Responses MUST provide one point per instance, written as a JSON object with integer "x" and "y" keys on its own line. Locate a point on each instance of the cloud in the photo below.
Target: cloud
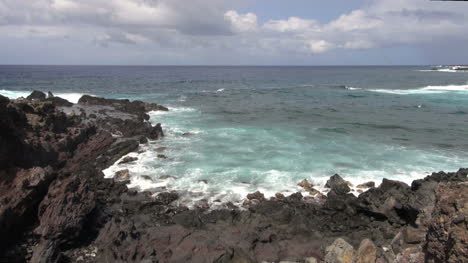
{"x": 216, "y": 29}
{"x": 293, "y": 24}
{"x": 240, "y": 22}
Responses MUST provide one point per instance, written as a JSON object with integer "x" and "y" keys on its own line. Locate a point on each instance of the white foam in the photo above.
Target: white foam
{"x": 425, "y": 90}
{"x": 71, "y": 97}
{"x": 219, "y": 90}
{"x": 352, "y": 88}
{"x": 443, "y": 70}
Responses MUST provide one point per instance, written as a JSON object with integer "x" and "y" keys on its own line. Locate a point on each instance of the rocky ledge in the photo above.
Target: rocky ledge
{"x": 56, "y": 206}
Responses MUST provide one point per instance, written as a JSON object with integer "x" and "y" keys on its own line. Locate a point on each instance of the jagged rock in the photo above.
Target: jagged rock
{"x": 257, "y": 195}
{"x": 308, "y": 187}
{"x": 340, "y": 252}
{"x": 50, "y": 95}
{"x": 367, "y": 252}
{"x": 338, "y": 185}
{"x": 122, "y": 175}
{"x": 128, "y": 159}
{"x": 366, "y": 185}
{"x": 167, "y": 197}
{"x": 279, "y": 196}
{"x": 388, "y": 201}
{"x": 36, "y": 95}
{"x": 447, "y": 235}
{"x": 156, "y": 132}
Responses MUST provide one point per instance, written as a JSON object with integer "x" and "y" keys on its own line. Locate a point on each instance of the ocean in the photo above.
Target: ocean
{"x": 267, "y": 128}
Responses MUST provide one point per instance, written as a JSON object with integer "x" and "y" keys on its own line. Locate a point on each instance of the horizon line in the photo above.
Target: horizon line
{"x": 233, "y": 65}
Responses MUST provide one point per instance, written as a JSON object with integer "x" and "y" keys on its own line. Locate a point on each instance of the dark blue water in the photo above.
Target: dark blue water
{"x": 269, "y": 127}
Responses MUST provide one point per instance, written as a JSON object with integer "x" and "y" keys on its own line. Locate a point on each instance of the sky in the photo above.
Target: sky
{"x": 233, "y": 32}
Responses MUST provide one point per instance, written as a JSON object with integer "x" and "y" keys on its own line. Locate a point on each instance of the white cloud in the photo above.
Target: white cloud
{"x": 293, "y": 24}
{"x": 240, "y": 22}
{"x": 319, "y": 46}
{"x": 208, "y": 26}
{"x": 356, "y": 20}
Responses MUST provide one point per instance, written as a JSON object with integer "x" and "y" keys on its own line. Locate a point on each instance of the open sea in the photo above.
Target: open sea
{"x": 267, "y": 128}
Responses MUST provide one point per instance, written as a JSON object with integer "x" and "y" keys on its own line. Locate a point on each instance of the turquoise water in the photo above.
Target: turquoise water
{"x": 267, "y": 128}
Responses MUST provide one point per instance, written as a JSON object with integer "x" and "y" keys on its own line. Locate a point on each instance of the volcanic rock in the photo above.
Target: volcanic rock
{"x": 366, "y": 185}
{"x": 36, "y": 95}
{"x": 257, "y": 195}
{"x": 128, "y": 159}
{"x": 340, "y": 252}
{"x": 122, "y": 175}
{"x": 338, "y": 185}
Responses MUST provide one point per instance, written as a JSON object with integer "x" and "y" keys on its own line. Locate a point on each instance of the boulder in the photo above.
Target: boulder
{"x": 257, "y": 195}
{"x": 36, "y": 95}
{"x": 122, "y": 175}
{"x": 162, "y": 156}
{"x": 337, "y": 184}
{"x": 367, "y": 252}
{"x": 308, "y": 187}
{"x": 340, "y": 251}
{"x": 156, "y": 132}
{"x": 128, "y": 159}
{"x": 366, "y": 185}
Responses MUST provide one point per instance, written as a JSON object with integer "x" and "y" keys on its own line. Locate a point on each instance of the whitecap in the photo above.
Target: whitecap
{"x": 425, "y": 90}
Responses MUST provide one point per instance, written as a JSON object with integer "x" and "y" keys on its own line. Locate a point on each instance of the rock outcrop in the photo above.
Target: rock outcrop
{"x": 56, "y": 206}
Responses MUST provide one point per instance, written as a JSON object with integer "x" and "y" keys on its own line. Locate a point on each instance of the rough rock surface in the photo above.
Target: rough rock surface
{"x": 56, "y": 206}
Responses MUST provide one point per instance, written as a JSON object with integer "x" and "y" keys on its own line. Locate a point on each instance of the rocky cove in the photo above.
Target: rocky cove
{"x": 56, "y": 205}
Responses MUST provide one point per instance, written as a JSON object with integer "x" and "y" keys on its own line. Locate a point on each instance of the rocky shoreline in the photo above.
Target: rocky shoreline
{"x": 56, "y": 205}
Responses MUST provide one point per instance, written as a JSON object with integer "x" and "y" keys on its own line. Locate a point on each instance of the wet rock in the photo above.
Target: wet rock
{"x": 156, "y": 132}
{"x": 186, "y": 134}
{"x": 340, "y": 251}
{"x": 164, "y": 177}
{"x": 122, "y": 175}
{"x": 308, "y": 187}
{"x": 279, "y": 196}
{"x": 36, "y": 95}
{"x": 162, "y": 156}
{"x": 161, "y": 149}
{"x": 128, "y": 159}
{"x": 167, "y": 197}
{"x": 146, "y": 177}
{"x": 338, "y": 185}
{"x": 257, "y": 195}
{"x": 367, "y": 252}
{"x": 50, "y": 95}
{"x": 366, "y": 185}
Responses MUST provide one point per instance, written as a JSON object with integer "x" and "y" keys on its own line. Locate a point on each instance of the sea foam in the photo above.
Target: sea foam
{"x": 425, "y": 90}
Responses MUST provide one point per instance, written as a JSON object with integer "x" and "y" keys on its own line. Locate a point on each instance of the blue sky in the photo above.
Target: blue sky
{"x": 226, "y": 32}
